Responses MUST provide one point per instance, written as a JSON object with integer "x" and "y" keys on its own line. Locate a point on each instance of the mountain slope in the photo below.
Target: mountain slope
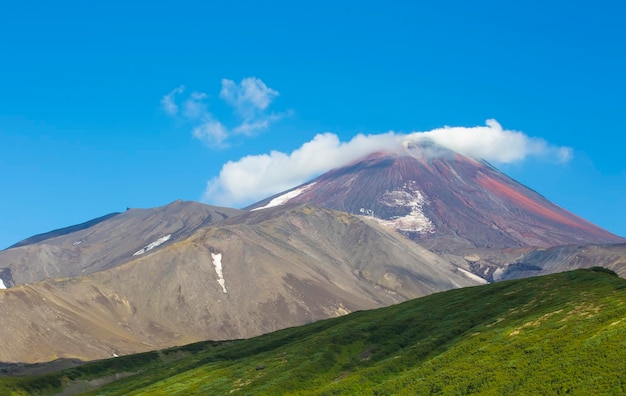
{"x": 446, "y": 201}
{"x": 251, "y": 274}
{"x": 565, "y": 258}
{"x": 105, "y": 242}
{"x": 561, "y": 333}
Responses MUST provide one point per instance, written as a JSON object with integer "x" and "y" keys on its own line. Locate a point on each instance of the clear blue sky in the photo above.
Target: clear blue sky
{"x": 84, "y": 130}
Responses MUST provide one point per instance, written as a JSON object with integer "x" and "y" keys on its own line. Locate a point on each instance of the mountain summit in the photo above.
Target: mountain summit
{"x": 444, "y": 199}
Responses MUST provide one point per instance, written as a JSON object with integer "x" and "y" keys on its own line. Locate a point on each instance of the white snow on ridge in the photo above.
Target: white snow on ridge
{"x": 152, "y": 245}
{"x": 283, "y": 199}
{"x": 2, "y": 286}
{"x": 473, "y": 276}
{"x": 217, "y": 262}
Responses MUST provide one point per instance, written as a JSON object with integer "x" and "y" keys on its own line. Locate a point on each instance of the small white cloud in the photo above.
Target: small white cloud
{"x": 195, "y": 108}
{"x": 195, "y": 111}
{"x": 248, "y": 97}
{"x": 255, "y": 177}
{"x": 212, "y": 133}
{"x": 564, "y": 154}
{"x": 168, "y": 104}
{"x": 251, "y": 126}
{"x": 249, "y": 100}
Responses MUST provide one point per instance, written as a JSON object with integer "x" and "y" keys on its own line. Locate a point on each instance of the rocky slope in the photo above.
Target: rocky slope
{"x": 565, "y": 258}
{"x": 105, "y": 242}
{"x": 248, "y": 275}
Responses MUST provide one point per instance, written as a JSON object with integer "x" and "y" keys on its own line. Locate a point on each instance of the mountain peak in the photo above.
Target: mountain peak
{"x": 443, "y": 198}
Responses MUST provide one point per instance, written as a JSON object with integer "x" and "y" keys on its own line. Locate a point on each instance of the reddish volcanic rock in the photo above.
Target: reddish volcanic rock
{"x": 445, "y": 200}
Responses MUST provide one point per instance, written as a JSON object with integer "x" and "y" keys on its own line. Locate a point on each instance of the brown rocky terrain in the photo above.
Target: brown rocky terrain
{"x": 103, "y": 243}
{"x": 248, "y": 275}
{"x": 564, "y": 258}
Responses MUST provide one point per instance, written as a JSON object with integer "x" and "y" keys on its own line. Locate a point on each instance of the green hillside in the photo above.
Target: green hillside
{"x": 556, "y": 334}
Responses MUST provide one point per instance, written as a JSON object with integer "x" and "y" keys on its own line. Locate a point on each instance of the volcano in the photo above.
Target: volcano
{"x": 444, "y": 200}
{"x": 149, "y": 279}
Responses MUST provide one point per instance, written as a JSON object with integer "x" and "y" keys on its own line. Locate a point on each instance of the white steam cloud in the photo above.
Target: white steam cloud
{"x": 255, "y": 177}
{"x": 249, "y": 99}
{"x": 492, "y": 143}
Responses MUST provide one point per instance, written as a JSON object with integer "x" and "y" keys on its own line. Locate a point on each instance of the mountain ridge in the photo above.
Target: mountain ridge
{"x": 62, "y": 231}
{"x": 106, "y": 243}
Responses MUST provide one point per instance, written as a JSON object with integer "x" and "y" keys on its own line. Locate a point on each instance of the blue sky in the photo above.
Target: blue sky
{"x": 85, "y": 127}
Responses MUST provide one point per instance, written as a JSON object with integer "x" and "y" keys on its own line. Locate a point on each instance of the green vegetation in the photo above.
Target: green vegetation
{"x": 556, "y": 334}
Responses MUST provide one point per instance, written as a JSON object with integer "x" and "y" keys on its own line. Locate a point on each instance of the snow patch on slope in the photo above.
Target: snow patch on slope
{"x": 2, "y": 286}
{"x": 409, "y": 196}
{"x": 473, "y": 276}
{"x": 283, "y": 199}
{"x": 497, "y": 274}
{"x": 217, "y": 263}
{"x": 152, "y": 245}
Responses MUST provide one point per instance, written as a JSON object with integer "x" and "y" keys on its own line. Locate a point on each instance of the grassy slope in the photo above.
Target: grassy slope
{"x": 562, "y": 333}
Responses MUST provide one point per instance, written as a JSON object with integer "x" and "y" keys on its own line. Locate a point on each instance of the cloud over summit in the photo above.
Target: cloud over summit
{"x": 255, "y": 177}
{"x": 492, "y": 143}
